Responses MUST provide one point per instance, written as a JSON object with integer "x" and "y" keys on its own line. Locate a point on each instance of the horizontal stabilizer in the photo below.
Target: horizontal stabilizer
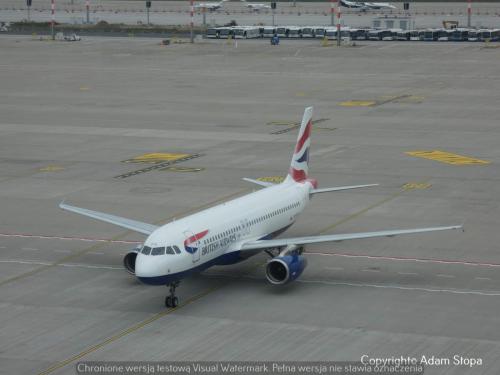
{"x": 136, "y": 226}
{"x": 263, "y": 244}
{"x": 339, "y": 188}
{"x": 257, "y": 182}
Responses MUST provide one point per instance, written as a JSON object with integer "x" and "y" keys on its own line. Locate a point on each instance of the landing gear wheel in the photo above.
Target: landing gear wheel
{"x": 168, "y": 301}
{"x": 171, "y": 300}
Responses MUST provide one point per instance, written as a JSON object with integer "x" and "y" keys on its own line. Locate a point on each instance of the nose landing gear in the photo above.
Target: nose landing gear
{"x": 171, "y": 300}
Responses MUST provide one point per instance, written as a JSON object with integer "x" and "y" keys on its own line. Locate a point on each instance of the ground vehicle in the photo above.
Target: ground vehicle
{"x": 381, "y": 34}
{"x": 391, "y": 34}
{"x": 443, "y": 35}
{"x": 430, "y": 35}
{"x": 308, "y": 32}
{"x": 403, "y": 35}
{"x": 268, "y": 32}
{"x": 491, "y": 35}
{"x": 459, "y": 35}
{"x": 225, "y": 32}
{"x": 246, "y": 32}
{"x": 319, "y": 32}
{"x": 282, "y": 32}
{"x": 212, "y": 33}
{"x": 294, "y": 32}
{"x": 331, "y": 33}
{"x": 359, "y": 34}
{"x": 414, "y": 35}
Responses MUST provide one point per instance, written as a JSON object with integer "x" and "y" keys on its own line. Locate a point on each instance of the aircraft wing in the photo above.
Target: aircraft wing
{"x": 264, "y": 244}
{"x": 136, "y": 226}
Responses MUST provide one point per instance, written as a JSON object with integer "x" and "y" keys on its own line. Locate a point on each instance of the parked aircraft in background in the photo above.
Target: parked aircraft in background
{"x": 362, "y": 5}
{"x": 210, "y": 6}
{"x": 256, "y": 6}
{"x": 236, "y": 230}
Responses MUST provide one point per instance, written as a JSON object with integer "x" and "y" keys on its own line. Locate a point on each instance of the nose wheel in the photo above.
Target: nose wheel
{"x": 171, "y": 300}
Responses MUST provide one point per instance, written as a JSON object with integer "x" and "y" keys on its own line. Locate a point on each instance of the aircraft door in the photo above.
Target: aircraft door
{"x": 192, "y": 245}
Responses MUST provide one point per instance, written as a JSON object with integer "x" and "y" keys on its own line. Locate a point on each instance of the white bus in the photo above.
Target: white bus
{"x": 269, "y": 32}
{"x": 308, "y": 32}
{"x": 294, "y": 32}
{"x": 246, "y": 32}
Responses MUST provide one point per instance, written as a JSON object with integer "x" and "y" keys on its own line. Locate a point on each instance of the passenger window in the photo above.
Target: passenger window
{"x": 158, "y": 251}
{"x": 146, "y": 250}
{"x": 170, "y": 250}
{"x": 177, "y": 250}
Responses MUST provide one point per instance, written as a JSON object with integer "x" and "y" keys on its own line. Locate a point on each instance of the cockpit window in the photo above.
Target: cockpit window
{"x": 146, "y": 250}
{"x": 170, "y": 250}
{"x": 158, "y": 251}
{"x": 177, "y": 250}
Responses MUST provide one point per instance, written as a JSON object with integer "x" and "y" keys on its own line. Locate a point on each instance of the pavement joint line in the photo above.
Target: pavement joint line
{"x": 141, "y": 324}
{"x": 73, "y": 256}
{"x": 370, "y": 207}
{"x": 129, "y": 330}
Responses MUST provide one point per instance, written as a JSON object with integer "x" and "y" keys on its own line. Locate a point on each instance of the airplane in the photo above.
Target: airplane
{"x": 256, "y": 6}
{"x": 233, "y": 231}
{"x": 210, "y": 6}
{"x": 366, "y": 5}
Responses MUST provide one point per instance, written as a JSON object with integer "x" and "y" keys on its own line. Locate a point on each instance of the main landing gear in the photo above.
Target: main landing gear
{"x": 171, "y": 300}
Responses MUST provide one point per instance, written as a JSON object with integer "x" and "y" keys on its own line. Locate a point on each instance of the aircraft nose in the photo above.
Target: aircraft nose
{"x": 144, "y": 266}
{"x": 151, "y": 269}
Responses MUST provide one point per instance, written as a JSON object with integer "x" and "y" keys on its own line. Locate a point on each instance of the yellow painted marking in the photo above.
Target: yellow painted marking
{"x": 447, "y": 157}
{"x": 273, "y": 179}
{"x": 156, "y": 157}
{"x": 361, "y": 212}
{"x": 84, "y": 88}
{"x": 416, "y": 185}
{"x": 282, "y": 123}
{"x": 51, "y": 168}
{"x": 182, "y": 169}
{"x": 300, "y": 94}
{"x": 358, "y": 103}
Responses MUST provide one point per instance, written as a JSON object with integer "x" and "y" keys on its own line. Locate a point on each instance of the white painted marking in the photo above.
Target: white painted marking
{"x": 408, "y": 273}
{"x": 402, "y": 259}
{"x": 493, "y": 293}
{"x": 443, "y": 275}
{"x": 44, "y": 237}
{"x": 334, "y": 268}
{"x": 483, "y": 278}
{"x": 78, "y": 265}
{"x": 95, "y": 253}
{"x": 369, "y": 270}
{"x": 29, "y": 248}
{"x": 297, "y": 53}
{"x": 3, "y": 247}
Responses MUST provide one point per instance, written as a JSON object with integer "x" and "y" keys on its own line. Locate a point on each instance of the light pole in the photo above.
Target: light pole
{"x": 338, "y": 22}
{"x": 469, "y": 12}
{"x": 28, "y": 5}
{"x": 332, "y": 12}
{"x": 87, "y": 7}
{"x": 191, "y": 24}
{"x": 53, "y": 19}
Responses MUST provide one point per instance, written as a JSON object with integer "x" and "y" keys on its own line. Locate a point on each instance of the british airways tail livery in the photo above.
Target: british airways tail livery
{"x": 233, "y": 231}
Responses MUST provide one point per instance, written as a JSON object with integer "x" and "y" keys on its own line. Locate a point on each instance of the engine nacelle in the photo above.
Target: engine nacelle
{"x": 285, "y": 268}
{"x": 129, "y": 261}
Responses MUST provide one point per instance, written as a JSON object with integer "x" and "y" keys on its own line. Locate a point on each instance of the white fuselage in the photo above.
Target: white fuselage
{"x": 215, "y": 235}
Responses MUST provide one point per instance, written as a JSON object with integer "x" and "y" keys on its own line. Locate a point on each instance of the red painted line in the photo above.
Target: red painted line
{"x": 40, "y": 236}
{"x": 423, "y": 260}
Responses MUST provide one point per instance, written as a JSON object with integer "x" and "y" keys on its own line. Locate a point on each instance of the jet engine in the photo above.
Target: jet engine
{"x": 285, "y": 268}
{"x": 129, "y": 260}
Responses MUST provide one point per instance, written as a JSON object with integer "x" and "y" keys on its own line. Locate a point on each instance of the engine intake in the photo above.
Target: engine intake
{"x": 129, "y": 261}
{"x": 284, "y": 269}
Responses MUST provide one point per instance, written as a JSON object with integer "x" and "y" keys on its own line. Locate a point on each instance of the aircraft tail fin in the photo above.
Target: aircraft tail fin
{"x": 299, "y": 167}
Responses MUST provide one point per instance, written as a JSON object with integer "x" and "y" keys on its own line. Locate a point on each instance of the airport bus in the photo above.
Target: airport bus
{"x": 403, "y": 35}
{"x": 459, "y": 35}
{"x": 281, "y": 32}
{"x": 319, "y": 32}
{"x": 430, "y": 35}
{"x": 294, "y": 32}
{"x": 358, "y": 34}
{"x": 491, "y": 35}
{"x": 268, "y": 32}
{"x": 443, "y": 35}
{"x": 414, "y": 35}
{"x": 381, "y": 34}
{"x": 474, "y": 35}
{"x": 212, "y": 33}
{"x": 246, "y": 32}
{"x": 308, "y": 32}
{"x": 225, "y": 32}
